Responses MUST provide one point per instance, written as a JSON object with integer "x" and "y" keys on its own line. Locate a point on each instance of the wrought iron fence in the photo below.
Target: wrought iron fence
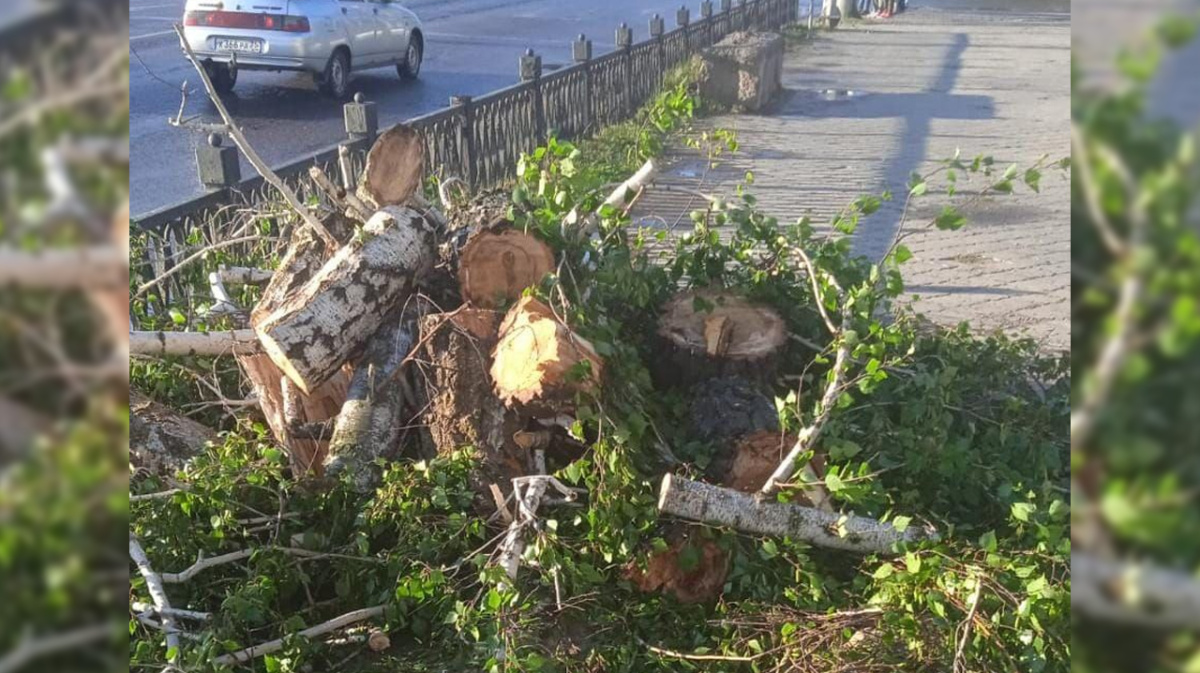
{"x": 480, "y": 139}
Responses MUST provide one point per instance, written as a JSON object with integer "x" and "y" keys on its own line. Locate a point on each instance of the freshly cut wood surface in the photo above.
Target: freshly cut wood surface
{"x": 395, "y": 167}
{"x": 495, "y": 266}
{"x": 535, "y": 357}
{"x": 722, "y": 324}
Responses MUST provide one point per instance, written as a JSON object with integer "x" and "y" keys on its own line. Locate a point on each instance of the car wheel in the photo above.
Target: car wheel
{"x": 336, "y": 80}
{"x": 411, "y": 66}
{"x": 222, "y": 76}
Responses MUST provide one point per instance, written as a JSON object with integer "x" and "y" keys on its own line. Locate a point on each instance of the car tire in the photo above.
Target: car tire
{"x": 335, "y": 81}
{"x": 410, "y": 67}
{"x": 222, "y": 76}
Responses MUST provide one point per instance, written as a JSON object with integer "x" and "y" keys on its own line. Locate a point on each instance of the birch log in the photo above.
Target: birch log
{"x": 706, "y": 503}
{"x": 160, "y": 344}
{"x": 620, "y": 196}
{"x": 369, "y": 424}
{"x": 1135, "y": 594}
{"x": 321, "y": 325}
{"x": 97, "y": 267}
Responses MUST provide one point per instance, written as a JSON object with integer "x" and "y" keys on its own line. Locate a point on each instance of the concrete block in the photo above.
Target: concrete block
{"x": 744, "y": 70}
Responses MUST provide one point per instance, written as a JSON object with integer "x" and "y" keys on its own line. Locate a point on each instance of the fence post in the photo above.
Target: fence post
{"x": 217, "y": 166}
{"x": 531, "y": 71}
{"x": 466, "y": 137}
{"x": 581, "y": 52}
{"x": 362, "y": 119}
{"x": 726, "y": 17}
{"x": 681, "y": 19}
{"x": 625, "y": 45}
{"x": 657, "y": 28}
{"x": 706, "y": 17}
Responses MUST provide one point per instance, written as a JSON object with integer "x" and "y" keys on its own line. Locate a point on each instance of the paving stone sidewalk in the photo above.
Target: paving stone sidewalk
{"x": 867, "y": 105}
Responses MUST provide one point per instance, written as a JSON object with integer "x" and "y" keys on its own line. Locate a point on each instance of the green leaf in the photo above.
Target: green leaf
{"x": 1022, "y": 510}
{"x": 177, "y": 316}
{"x": 918, "y": 189}
{"x": 1033, "y": 179}
{"x": 902, "y": 254}
{"x": 833, "y": 482}
{"x": 988, "y": 541}
{"x": 950, "y": 219}
{"x": 901, "y": 523}
{"x": 912, "y": 563}
{"x": 884, "y": 571}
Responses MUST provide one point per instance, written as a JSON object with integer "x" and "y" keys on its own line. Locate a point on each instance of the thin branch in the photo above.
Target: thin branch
{"x": 1091, "y": 195}
{"x": 251, "y": 155}
{"x": 203, "y": 564}
{"x": 154, "y": 585}
{"x": 30, "y": 650}
{"x": 959, "y": 664}
{"x": 250, "y": 653}
{"x": 818, "y": 299}
{"x": 199, "y": 254}
{"x": 96, "y": 267}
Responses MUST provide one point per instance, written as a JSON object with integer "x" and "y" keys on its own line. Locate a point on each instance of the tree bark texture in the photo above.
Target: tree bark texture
{"x": 697, "y": 501}
{"x": 330, "y": 318}
{"x": 162, "y": 441}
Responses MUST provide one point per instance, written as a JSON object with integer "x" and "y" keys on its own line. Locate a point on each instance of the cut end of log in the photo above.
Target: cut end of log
{"x": 538, "y": 360}
{"x": 496, "y": 266}
{"x": 394, "y": 167}
{"x": 722, "y": 324}
{"x": 664, "y": 491}
{"x": 282, "y": 361}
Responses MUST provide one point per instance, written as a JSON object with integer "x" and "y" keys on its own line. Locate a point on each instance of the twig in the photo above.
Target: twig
{"x": 818, "y": 299}
{"x": 262, "y": 649}
{"x": 155, "y": 496}
{"x": 203, "y": 564}
{"x": 154, "y": 585}
{"x": 663, "y": 652}
{"x": 102, "y": 266}
{"x": 31, "y": 649}
{"x": 251, "y": 155}
{"x": 199, "y": 254}
{"x": 140, "y": 607}
{"x": 959, "y": 664}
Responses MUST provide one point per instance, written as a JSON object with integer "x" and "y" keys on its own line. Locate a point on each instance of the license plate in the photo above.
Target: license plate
{"x": 234, "y": 44}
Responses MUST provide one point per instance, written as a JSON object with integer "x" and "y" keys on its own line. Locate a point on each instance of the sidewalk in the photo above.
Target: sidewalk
{"x": 866, "y": 105}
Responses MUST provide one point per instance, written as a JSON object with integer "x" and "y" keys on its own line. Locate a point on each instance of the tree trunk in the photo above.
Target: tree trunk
{"x": 535, "y": 361}
{"x": 496, "y": 266}
{"x": 282, "y": 414}
{"x": 369, "y": 424}
{"x": 162, "y": 441}
{"x": 697, "y": 501}
{"x": 705, "y": 334}
{"x": 463, "y": 411}
{"x": 320, "y": 325}
{"x": 395, "y": 168}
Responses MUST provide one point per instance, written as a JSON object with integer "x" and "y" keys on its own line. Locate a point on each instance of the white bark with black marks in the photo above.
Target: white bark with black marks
{"x": 322, "y": 324}
{"x": 697, "y": 501}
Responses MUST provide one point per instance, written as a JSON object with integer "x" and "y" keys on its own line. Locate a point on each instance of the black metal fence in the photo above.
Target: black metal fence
{"x": 480, "y": 139}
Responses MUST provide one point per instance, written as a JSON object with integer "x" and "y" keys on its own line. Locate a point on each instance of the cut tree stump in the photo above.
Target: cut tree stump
{"x": 369, "y": 424}
{"x": 320, "y": 325}
{"x": 692, "y": 570}
{"x": 711, "y": 333}
{"x": 697, "y": 501}
{"x": 755, "y": 458}
{"x": 726, "y": 408}
{"x": 496, "y": 265}
{"x": 324, "y": 404}
{"x": 456, "y": 356}
{"x": 161, "y": 440}
{"x": 395, "y": 167}
{"x": 539, "y": 364}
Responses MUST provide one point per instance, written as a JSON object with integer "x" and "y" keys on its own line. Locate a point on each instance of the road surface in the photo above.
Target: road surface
{"x": 472, "y": 47}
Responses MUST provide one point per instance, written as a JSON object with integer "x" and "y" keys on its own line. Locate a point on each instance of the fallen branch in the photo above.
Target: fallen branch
{"x": 102, "y": 266}
{"x": 160, "y": 344}
{"x": 154, "y": 585}
{"x": 635, "y": 183}
{"x": 1136, "y": 594}
{"x": 203, "y": 564}
{"x": 346, "y": 201}
{"x": 243, "y": 275}
{"x": 250, "y": 653}
{"x": 697, "y": 501}
{"x": 251, "y": 155}
{"x": 143, "y": 608}
{"x": 195, "y": 256}
{"x": 32, "y": 649}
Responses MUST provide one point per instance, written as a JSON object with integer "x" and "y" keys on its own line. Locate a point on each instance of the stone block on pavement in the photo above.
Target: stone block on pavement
{"x": 744, "y": 70}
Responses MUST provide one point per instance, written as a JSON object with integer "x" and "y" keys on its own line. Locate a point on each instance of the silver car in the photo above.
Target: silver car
{"x": 328, "y": 38}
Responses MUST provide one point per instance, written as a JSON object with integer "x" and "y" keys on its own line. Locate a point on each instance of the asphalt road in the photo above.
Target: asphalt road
{"x": 472, "y": 47}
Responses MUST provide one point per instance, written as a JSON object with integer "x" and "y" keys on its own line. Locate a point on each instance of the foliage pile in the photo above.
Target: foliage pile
{"x": 936, "y": 426}
{"x": 1136, "y": 352}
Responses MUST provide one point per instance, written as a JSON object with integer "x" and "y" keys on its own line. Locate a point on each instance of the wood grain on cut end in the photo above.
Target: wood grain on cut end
{"x": 496, "y": 266}
{"x": 395, "y": 166}
{"x": 535, "y": 359}
{"x": 722, "y": 324}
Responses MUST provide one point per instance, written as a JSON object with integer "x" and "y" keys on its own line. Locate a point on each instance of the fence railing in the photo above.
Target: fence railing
{"x": 479, "y": 139}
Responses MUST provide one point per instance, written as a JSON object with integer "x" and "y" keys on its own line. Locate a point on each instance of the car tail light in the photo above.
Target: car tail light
{"x": 220, "y": 19}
